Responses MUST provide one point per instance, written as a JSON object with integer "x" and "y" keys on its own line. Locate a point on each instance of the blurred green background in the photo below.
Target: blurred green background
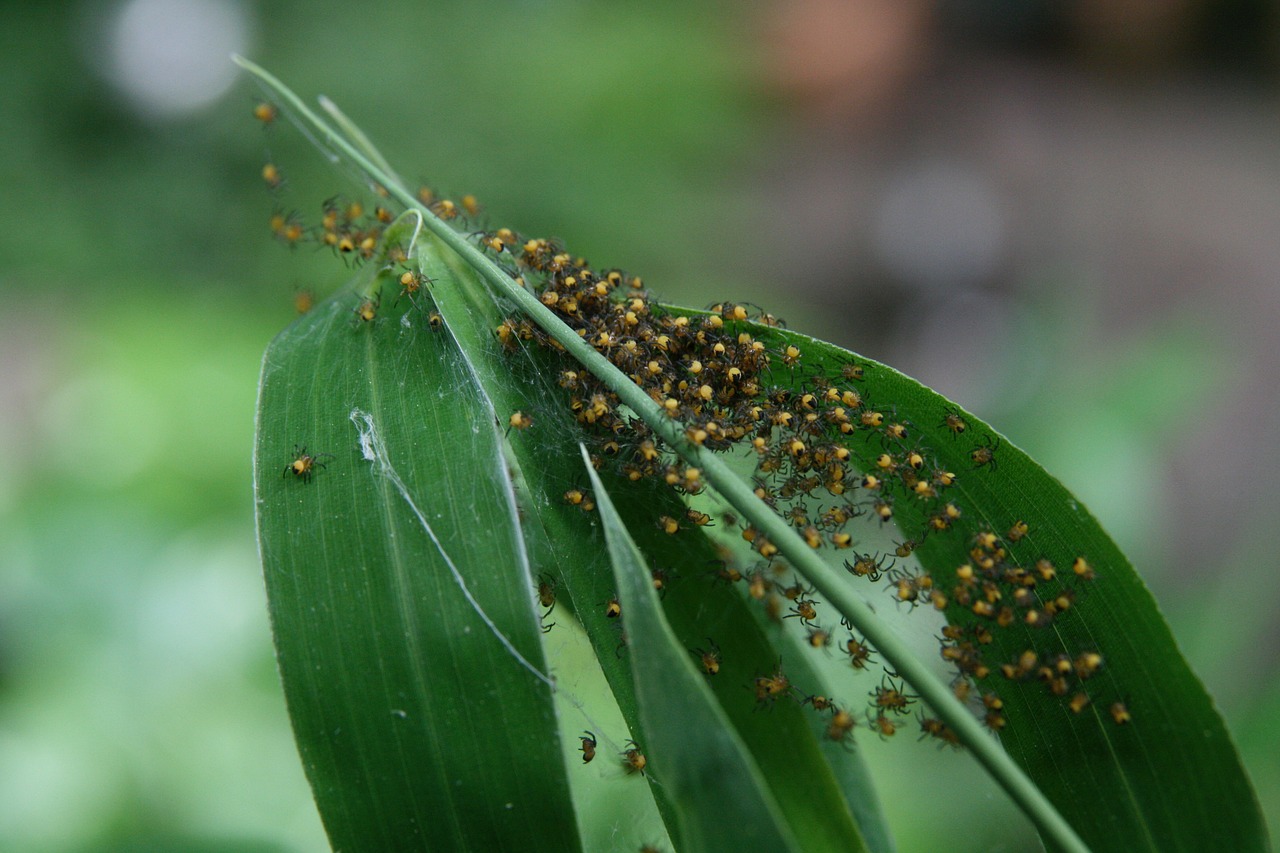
{"x": 1062, "y": 215}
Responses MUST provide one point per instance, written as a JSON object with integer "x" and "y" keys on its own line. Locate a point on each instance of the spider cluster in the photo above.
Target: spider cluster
{"x": 823, "y": 450}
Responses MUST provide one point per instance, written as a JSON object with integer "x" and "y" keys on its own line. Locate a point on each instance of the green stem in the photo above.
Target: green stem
{"x": 738, "y": 494}
{"x": 356, "y": 135}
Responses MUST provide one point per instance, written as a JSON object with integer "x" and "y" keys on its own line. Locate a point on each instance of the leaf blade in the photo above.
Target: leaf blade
{"x": 388, "y": 667}
{"x": 1121, "y": 791}
{"x": 1011, "y": 777}
{"x": 783, "y": 743}
{"x": 720, "y": 799}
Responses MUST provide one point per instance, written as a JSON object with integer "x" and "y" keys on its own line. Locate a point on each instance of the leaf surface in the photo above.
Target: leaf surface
{"x": 420, "y": 718}
{"x": 720, "y": 798}
{"x": 1123, "y": 751}
{"x": 567, "y": 544}
{"x": 1170, "y": 779}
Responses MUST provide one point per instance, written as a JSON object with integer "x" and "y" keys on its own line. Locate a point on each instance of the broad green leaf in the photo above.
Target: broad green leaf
{"x": 761, "y": 516}
{"x": 1081, "y": 769}
{"x": 1168, "y": 780}
{"x": 415, "y": 694}
{"x": 720, "y": 799}
{"x": 731, "y": 488}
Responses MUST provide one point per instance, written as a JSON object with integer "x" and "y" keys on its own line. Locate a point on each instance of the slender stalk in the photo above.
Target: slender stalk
{"x": 356, "y": 135}
{"x": 735, "y": 492}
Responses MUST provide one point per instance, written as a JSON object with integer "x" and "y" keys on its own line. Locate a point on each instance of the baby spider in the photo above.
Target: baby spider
{"x": 985, "y": 454}
{"x": 868, "y": 566}
{"x": 633, "y": 760}
{"x": 304, "y": 464}
{"x": 709, "y": 658}
{"x": 889, "y": 697}
{"x": 841, "y": 725}
{"x": 935, "y": 728}
{"x": 367, "y": 310}
{"x": 818, "y": 638}
{"x": 546, "y": 598}
{"x": 806, "y": 610}
{"x": 411, "y": 282}
{"x": 952, "y": 421}
{"x": 588, "y": 746}
{"x": 769, "y": 687}
{"x": 882, "y": 725}
{"x": 858, "y": 651}
{"x": 265, "y": 113}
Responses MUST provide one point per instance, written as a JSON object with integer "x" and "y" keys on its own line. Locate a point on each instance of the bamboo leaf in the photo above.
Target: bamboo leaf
{"x": 1101, "y": 716}
{"x": 566, "y": 545}
{"x": 415, "y": 694}
{"x": 1167, "y": 779}
{"x": 720, "y": 799}
{"x": 722, "y": 478}
{"x": 819, "y": 785}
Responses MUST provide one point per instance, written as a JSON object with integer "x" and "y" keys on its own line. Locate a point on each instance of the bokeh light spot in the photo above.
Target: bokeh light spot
{"x": 172, "y": 57}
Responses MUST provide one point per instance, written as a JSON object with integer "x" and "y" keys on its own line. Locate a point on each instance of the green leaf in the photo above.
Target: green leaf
{"x": 415, "y": 693}
{"x": 567, "y": 545}
{"x": 1078, "y": 773}
{"x": 720, "y": 798}
{"x": 1168, "y": 780}
{"x": 819, "y": 785}
{"x": 730, "y": 487}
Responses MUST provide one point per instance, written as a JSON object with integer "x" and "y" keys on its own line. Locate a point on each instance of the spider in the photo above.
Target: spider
{"x": 304, "y": 464}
